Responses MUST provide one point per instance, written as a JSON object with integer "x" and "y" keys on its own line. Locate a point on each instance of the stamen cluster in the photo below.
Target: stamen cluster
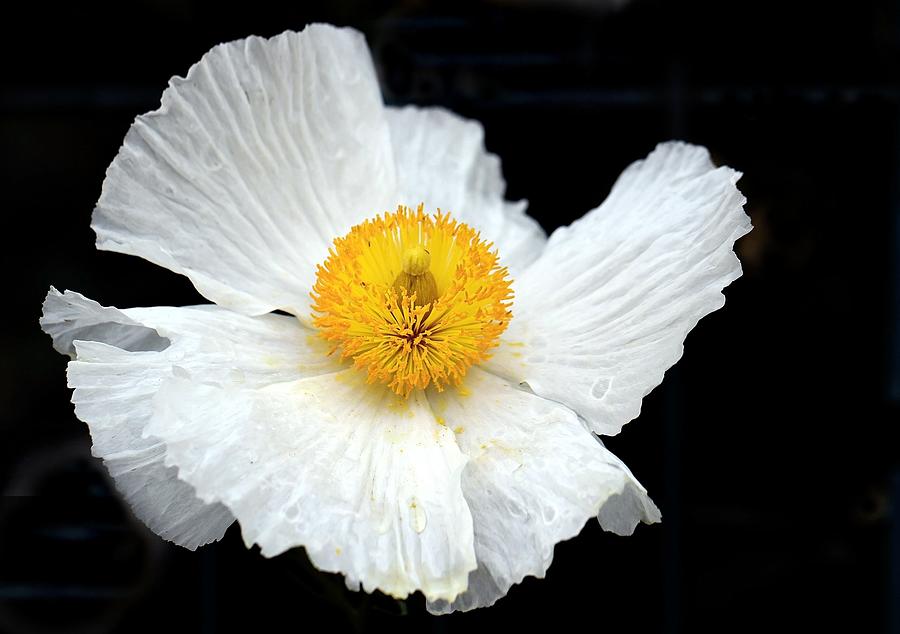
{"x": 367, "y": 299}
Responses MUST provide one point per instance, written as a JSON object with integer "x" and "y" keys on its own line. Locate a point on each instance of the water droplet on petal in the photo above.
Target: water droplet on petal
{"x": 180, "y": 373}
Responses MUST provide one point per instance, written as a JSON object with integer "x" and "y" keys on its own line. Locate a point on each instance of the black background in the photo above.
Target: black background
{"x": 769, "y": 448}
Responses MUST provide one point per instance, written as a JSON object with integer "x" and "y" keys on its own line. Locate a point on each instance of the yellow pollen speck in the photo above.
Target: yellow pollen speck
{"x": 458, "y": 430}
{"x": 413, "y": 299}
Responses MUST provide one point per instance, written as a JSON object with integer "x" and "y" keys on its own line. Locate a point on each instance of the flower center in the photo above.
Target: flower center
{"x": 412, "y": 298}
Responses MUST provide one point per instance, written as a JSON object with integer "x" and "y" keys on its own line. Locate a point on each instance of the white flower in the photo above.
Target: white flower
{"x": 254, "y": 164}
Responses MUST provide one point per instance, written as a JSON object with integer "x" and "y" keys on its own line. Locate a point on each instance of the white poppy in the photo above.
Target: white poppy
{"x": 413, "y": 425}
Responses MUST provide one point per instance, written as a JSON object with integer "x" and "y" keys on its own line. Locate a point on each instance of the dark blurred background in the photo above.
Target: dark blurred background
{"x": 770, "y": 448}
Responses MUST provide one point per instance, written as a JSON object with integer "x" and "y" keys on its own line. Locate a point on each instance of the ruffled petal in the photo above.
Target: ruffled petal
{"x": 605, "y": 310}
{"x": 442, "y": 162}
{"x": 71, "y": 316}
{"x": 122, "y": 357}
{"x": 114, "y": 399}
{"x": 253, "y": 164}
{"x": 535, "y": 475}
{"x": 367, "y": 483}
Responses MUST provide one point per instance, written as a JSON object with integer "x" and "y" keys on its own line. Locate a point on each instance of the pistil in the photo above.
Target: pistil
{"x": 416, "y": 278}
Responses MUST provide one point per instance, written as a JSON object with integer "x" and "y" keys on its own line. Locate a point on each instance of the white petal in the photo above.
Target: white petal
{"x": 369, "y": 485}
{"x": 224, "y": 347}
{"x": 122, "y": 357}
{"x": 604, "y": 312}
{"x": 254, "y": 163}
{"x": 441, "y": 162}
{"x": 70, "y": 316}
{"x": 535, "y": 475}
{"x": 113, "y": 395}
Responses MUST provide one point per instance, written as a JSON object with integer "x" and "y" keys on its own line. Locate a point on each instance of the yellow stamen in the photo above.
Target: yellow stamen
{"x": 413, "y": 299}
